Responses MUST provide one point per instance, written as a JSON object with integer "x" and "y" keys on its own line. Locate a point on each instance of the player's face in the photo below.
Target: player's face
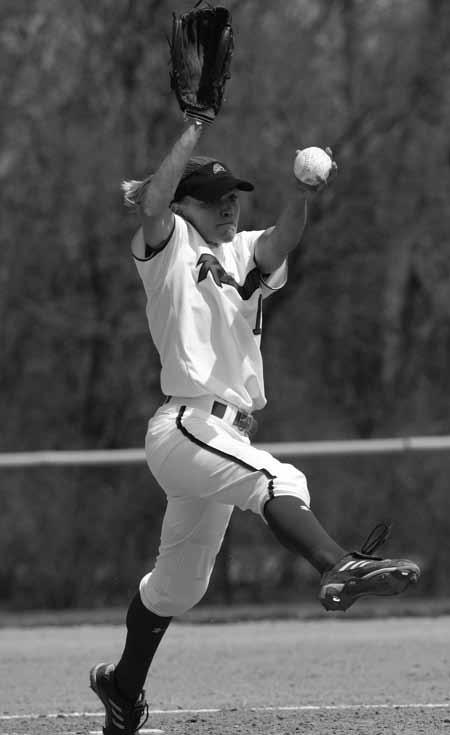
{"x": 216, "y": 221}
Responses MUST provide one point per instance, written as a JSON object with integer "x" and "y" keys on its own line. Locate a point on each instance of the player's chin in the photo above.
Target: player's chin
{"x": 226, "y": 232}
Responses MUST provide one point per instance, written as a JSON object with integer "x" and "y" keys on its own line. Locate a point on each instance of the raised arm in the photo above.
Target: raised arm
{"x": 154, "y": 196}
{"x": 201, "y": 48}
{"x": 275, "y": 243}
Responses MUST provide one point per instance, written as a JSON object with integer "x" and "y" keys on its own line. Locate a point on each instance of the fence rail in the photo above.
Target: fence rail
{"x": 278, "y": 449}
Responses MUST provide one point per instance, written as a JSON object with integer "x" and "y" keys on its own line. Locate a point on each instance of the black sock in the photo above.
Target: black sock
{"x": 145, "y": 630}
{"x": 297, "y": 528}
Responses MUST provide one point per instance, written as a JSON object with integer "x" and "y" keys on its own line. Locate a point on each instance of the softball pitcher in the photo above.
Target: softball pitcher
{"x": 205, "y": 282}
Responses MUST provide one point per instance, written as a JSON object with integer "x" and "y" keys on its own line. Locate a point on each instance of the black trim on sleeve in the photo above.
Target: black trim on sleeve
{"x": 261, "y": 275}
{"x": 150, "y": 251}
{"x": 223, "y": 454}
{"x": 267, "y": 285}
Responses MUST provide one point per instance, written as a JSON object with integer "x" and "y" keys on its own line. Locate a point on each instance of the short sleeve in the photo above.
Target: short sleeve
{"x": 274, "y": 281}
{"x": 154, "y": 268}
{"x": 270, "y": 282}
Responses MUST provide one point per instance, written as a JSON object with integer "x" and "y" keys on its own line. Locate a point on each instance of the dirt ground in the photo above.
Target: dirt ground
{"x": 328, "y": 676}
{"x": 231, "y": 722}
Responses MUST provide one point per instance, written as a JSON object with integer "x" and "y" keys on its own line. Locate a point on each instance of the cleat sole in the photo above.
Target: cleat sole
{"x": 381, "y": 583}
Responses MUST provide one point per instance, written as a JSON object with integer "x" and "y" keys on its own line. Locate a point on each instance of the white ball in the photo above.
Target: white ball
{"x": 312, "y": 166}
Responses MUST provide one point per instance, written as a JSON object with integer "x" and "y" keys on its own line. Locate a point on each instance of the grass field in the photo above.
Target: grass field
{"x": 330, "y": 675}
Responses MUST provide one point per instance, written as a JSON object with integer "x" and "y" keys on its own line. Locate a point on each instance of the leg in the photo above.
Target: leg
{"x": 254, "y": 480}
{"x": 191, "y": 536}
{"x": 296, "y": 527}
{"x": 145, "y": 630}
{"x": 192, "y": 533}
{"x": 231, "y": 470}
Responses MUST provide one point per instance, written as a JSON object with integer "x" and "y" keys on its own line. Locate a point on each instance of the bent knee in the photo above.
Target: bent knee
{"x": 180, "y": 578}
{"x": 291, "y": 481}
{"x": 170, "y": 599}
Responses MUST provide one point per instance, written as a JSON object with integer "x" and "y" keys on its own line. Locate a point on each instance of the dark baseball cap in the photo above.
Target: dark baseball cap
{"x": 208, "y": 179}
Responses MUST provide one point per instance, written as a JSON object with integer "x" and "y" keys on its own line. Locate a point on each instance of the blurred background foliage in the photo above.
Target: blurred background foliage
{"x": 357, "y": 343}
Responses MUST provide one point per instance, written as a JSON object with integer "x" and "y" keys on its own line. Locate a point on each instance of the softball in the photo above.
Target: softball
{"x": 312, "y": 166}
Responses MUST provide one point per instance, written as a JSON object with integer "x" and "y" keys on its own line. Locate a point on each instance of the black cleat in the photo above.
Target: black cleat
{"x": 122, "y": 717}
{"x": 360, "y": 574}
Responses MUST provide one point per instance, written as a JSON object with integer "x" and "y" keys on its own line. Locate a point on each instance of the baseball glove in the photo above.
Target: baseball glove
{"x": 200, "y": 55}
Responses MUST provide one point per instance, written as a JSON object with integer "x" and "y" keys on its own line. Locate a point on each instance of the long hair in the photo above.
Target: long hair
{"x": 133, "y": 191}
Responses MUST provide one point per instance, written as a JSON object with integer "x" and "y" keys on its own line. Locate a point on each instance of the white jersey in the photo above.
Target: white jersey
{"x": 204, "y": 313}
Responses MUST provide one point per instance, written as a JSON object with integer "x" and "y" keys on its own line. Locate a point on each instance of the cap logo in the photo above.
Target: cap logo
{"x": 218, "y": 168}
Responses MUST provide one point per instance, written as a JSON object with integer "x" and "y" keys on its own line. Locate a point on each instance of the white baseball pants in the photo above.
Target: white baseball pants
{"x": 206, "y": 466}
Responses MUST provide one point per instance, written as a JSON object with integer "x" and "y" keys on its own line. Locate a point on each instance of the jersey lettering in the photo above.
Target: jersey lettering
{"x": 209, "y": 264}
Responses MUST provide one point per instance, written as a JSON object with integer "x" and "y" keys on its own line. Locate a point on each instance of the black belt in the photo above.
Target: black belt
{"x": 244, "y": 421}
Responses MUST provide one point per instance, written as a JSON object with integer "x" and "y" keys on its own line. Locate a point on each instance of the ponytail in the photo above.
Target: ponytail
{"x": 133, "y": 191}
